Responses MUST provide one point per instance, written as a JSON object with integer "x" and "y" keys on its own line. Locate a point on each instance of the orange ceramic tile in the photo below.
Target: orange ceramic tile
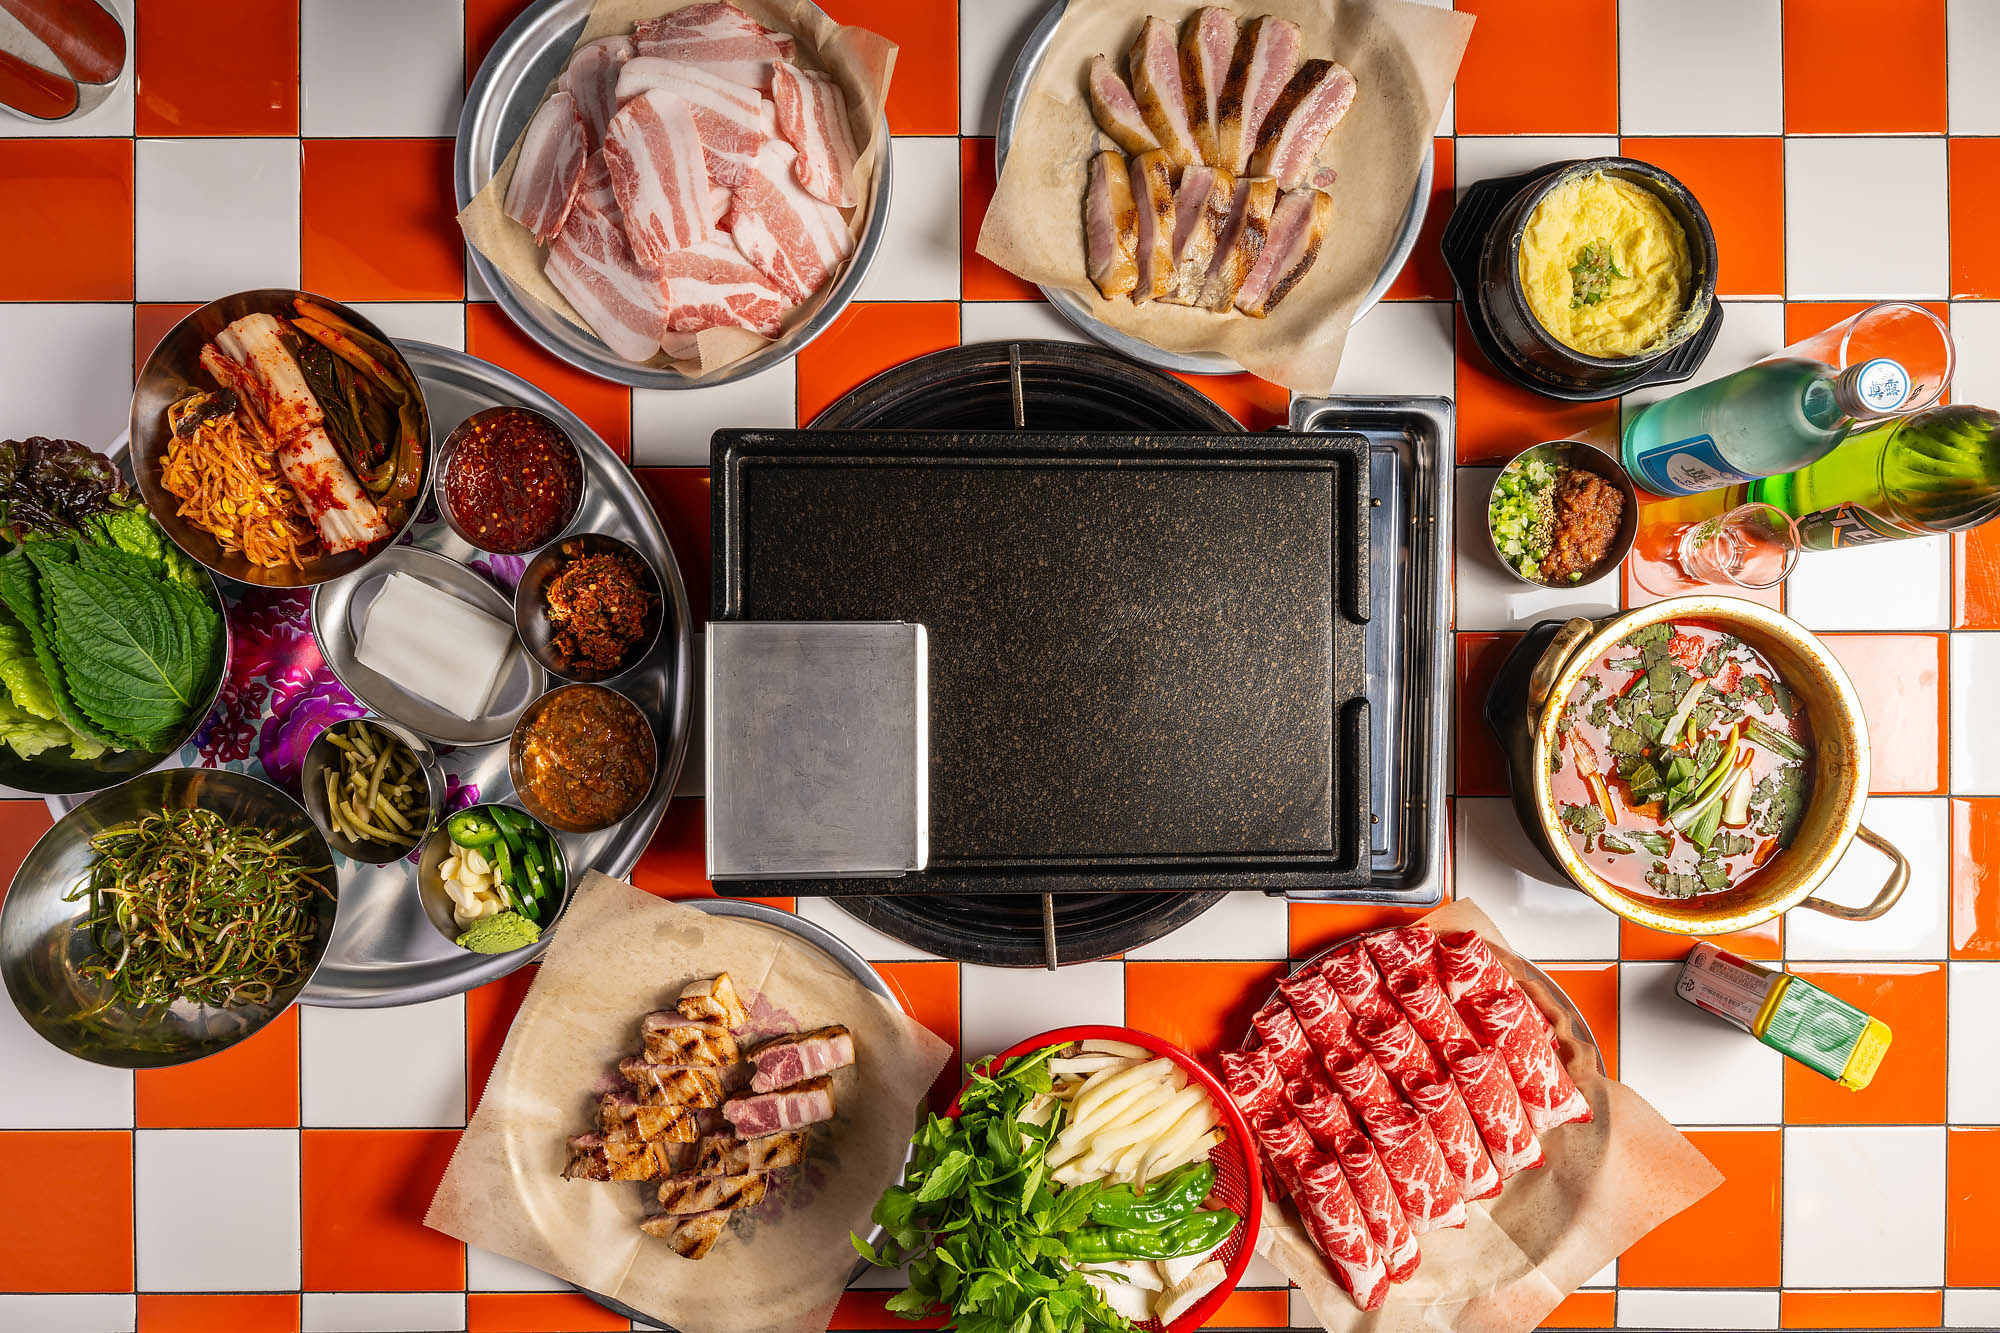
{"x": 868, "y": 1310}
{"x": 485, "y": 20}
{"x": 1201, "y": 1007}
{"x": 1547, "y": 67}
{"x": 680, "y": 496}
{"x": 1593, "y": 989}
{"x": 150, "y": 323}
{"x": 1909, "y": 1087}
{"x": 675, "y": 862}
{"x": 489, "y": 1012}
{"x": 1975, "y": 878}
{"x": 1741, "y": 185}
{"x": 869, "y": 337}
{"x": 377, "y": 220}
{"x": 262, "y": 1312}
{"x": 1424, "y": 277}
{"x": 1805, "y": 318}
{"x": 1638, "y": 943}
{"x": 1584, "y": 1309}
{"x": 1975, "y": 562}
{"x": 1728, "y": 1238}
{"x": 362, "y": 1195}
{"x": 1258, "y": 404}
{"x": 78, "y": 1234}
{"x": 1972, "y": 1208}
{"x": 66, "y": 233}
{"x": 1253, "y": 1309}
{"x": 1482, "y": 769}
{"x": 1861, "y": 1309}
{"x": 1974, "y": 193}
{"x": 605, "y": 407}
{"x": 252, "y": 1085}
{"x": 1826, "y": 40}
{"x": 1654, "y": 558}
{"x": 923, "y": 97}
{"x": 21, "y": 823}
{"x": 928, "y": 992}
{"x": 174, "y": 51}
{"x": 1901, "y": 681}
{"x": 538, "y": 1312}
{"x": 980, "y": 279}
{"x": 1315, "y": 927}
{"x": 1497, "y": 420}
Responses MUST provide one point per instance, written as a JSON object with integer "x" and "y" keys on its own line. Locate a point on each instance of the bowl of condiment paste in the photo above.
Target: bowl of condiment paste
{"x": 509, "y": 480}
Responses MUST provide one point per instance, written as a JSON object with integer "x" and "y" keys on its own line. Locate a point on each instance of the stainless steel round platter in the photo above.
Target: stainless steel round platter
{"x": 504, "y": 94}
{"x": 1077, "y": 311}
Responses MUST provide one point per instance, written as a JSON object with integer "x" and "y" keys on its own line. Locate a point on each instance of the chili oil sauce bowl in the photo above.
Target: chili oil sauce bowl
{"x": 437, "y": 902}
{"x": 531, "y": 606}
{"x": 518, "y": 516}
{"x": 529, "y": 764}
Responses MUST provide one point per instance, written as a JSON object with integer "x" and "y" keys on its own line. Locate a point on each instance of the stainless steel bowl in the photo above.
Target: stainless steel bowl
{"x": 531, "y": 620}
{"x": 447, "y": 453}
{"x": 322, "y": 754}
{"x": 517, "y": 746}
{"x": 437, "y": 903}
{"x": 1583, "y": 457}
{"x": 174, "y": 369}
{"x": 41, "y": 946}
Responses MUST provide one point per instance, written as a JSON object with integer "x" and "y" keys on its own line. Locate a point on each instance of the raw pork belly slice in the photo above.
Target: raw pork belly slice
{"x": 1311, "y": 105}
{"x": 1397, "y": 1048}
{"x": 1340, "y": 1229}
{"x": 1399, "y": 950}
{"x": 591, "y": 77}
{"x": 1423, "y": 1181}
{"x": 732, "y": 121}
{"x": 1242, "y": 240}
{"x": 812, "y": 115}
{"x": 1266, "y": 56}
{"x": 672, "y": 1038}
{"x": 1428, "y": 1008}
{"x": 1359, "y": 1078}
{"x": 795, "y": 1107}
{"x": 594, "y": 1157}
{"x": 1201, "y": 214}
{"x": 1110, "y": 226}
{"x": 1298, "y": 225}
{"x": 548, "y": 172}
{"x": 712, "y": 286}
{"x": 1117, "y": 111}
{"x": 1253, "y": 1080}
{"x": 794, "y": 238}
{"x": 1208, "y": 43}
{"x": 1495, "y": 1106}
{"x": 1278, "y": 1028}
{"x": 593, "y": 266}
{"x": 1153, "y": 204}
{"x": 720, "y": 36}
{"x": 1156, "y": 85}
{"x": 1320, "y": 1109}
{"x": 1359, "y": 985}
{"x": 726, "y": 1155}
{"x": 801, "y": 1056}
{"x": 1451, "y": 1124}
{"x": 1510, "y": 1023}
{"x": 659, "y": 175}
{"x": 1387, "y": 1226}
{"x": 595, "y": 190}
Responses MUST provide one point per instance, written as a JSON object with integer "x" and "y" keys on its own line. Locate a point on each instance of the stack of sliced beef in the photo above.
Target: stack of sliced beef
{"x": 686, "y": 177}
{"x": 709, "y": 1120}
{"x": 1394, "y": 1080}
{"x": 1221, "y": 202}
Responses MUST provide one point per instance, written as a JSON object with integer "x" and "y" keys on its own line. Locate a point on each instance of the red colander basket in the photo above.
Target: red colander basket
{"x": 1239, "y": 1184}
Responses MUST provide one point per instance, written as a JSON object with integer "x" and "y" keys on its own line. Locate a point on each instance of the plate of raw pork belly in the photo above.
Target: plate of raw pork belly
{"x": 684, "y": 200}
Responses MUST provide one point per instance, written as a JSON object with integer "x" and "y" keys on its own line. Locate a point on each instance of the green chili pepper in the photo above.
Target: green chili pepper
{"x": 1197, "y": 1233}
{"x": 469, "y": 828}
{"x": 1171, "y": 1198}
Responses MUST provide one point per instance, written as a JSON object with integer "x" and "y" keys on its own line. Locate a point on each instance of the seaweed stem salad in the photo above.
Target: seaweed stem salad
{"x": 1682, "y": 762}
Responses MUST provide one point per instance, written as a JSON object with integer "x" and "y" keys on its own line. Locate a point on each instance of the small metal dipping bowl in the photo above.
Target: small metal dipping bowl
{"x": 1586, "y": 458}
{"x": 42, "y": 944}
{"x": 531, "y": 620}
{"x": 454, "y": 442}
{"x": 517, "y": 747}
{"x": 323, "y": 755}
{"x": 437, "y": 903}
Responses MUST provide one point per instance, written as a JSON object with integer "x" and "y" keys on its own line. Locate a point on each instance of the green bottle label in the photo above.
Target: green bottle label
{"x": 1843, "y": 526}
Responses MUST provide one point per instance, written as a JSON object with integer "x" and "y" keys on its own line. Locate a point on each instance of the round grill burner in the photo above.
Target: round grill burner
{"x": 1068, "y": 386}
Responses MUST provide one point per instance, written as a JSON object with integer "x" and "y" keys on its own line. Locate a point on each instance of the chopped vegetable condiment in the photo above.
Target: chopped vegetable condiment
{"x": 598, "y": 604}
{"x": 588, "y": 757}
{"x": 501, "y": 864}
{"x": 379, "y": 794}
{"x": 1554, "y": 524}
{"x": 514, "y": 482}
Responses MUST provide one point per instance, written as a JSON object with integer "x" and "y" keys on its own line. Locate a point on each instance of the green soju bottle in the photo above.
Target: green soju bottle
{"x": 1936, "y": 471}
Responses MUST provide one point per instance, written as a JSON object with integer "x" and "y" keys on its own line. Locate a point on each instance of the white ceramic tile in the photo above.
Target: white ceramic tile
{"x": 1916, "y": 927}
{"x": 1972, "y": 1308}
{"x": 919, "y": 259}
{"x": 487, "y": 1271}
{"x": 1751, "y": 331}
{"x": 215, "y": 216}
{"x": 1836, "y": 249}
{"x": 381, "y": 1311}
{"x": 1606, "y": 1276}
{"x": 383, "y": 1068}
{"x": 1697, "y": 1309}
{"x": 1889, "y": 585}
{"x": 216, "y": 1209}
{"x": 110, "y": 118}
{"x": 1400, "y": 348}
{"x": 990, "y": 33}
{"x": 1009, "y": 321}
{"x": 671, "y": 427}
{"x": 1975, "y": 332}
{"x": 1972, "y": 95}
{"x": 999, "y": 1006}
{"x": 1975, "y": 714}
{"x": 1864, "y": 1206}
{"x": 381, "y": 68}
{"x": 1242, "y": 925}
{"x": 55, "y": 361}
{"x": 70, "y": 1313}
{"x": 873, "y": 944}
{"x": 1482, "y": 156}
{"x": 1740, "y": 88}
{"x": 1693, "y": 1068}
{"x": 1972, "y": 1088}
{"x": 1538, "y": 911}
{"x": 46, "y": 1088}
{"x": 872, "y": 1278}
{"x": 440, "y": 322}
{"x": 1488, "y": 597}
{"x": 1262, "y": 1273}
{"x": 1300, "y": 1312}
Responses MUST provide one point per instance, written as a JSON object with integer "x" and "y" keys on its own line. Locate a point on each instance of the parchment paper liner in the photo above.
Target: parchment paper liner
{"x": 1404, "y": 57}
{"x": 619, "y": 953}
{"x": 1605, "y": 1184}
{"x": 859, "y": 59}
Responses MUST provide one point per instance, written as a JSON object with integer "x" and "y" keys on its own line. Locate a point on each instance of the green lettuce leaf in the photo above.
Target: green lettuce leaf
{"x": 20, "y": 593}
{"x": 132, "y": 529}
{"x": 27, "y": 735}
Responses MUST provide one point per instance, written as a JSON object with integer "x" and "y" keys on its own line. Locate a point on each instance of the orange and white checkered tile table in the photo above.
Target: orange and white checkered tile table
{"x": 1844, "y": 150}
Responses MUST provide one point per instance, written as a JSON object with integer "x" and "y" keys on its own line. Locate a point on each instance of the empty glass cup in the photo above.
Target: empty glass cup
{"x": 1751, "y": 546}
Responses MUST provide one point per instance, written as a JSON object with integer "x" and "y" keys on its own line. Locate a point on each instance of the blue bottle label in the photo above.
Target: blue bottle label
{"x": 1686, "y": 467}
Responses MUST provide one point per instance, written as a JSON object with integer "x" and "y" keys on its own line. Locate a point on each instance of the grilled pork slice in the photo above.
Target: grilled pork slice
{"x": 1110, "y": 227}
{"x": 1267, "y": 55}
{"x": 672, "y": 1085}
{"x": 1208, "y": 44}
{"x": 691, "y": 1237}
{"x": 1201, "y": 213}
{"x": 1298, "y": 225}
{"x": 1156, "y": 84}
{"x": 795, "y": 1107}
{"x": 803, "y": 1055}
{"x": 621, "y": 1115}
{"x": 701, "y": 1194}
{"x": 1117, "y": 111}
{"x": 1242, "y": 240}
{"x": 672, "y": 1039}
{"x": 595, "y": 1157}
{"x": 1304, "y": 114}
{"x": 1153, "y": 206}
{"x": 726, "y": 1155}
{"x": 714, "y": 1000}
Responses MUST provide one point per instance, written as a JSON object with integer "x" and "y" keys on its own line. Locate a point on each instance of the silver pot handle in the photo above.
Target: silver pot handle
{"x": 1892, "y": 888}
{"x": 1551, "y": 663}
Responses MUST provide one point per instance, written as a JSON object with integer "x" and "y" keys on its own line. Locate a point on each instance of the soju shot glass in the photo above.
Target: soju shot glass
{"x": 1751, "y": 546}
